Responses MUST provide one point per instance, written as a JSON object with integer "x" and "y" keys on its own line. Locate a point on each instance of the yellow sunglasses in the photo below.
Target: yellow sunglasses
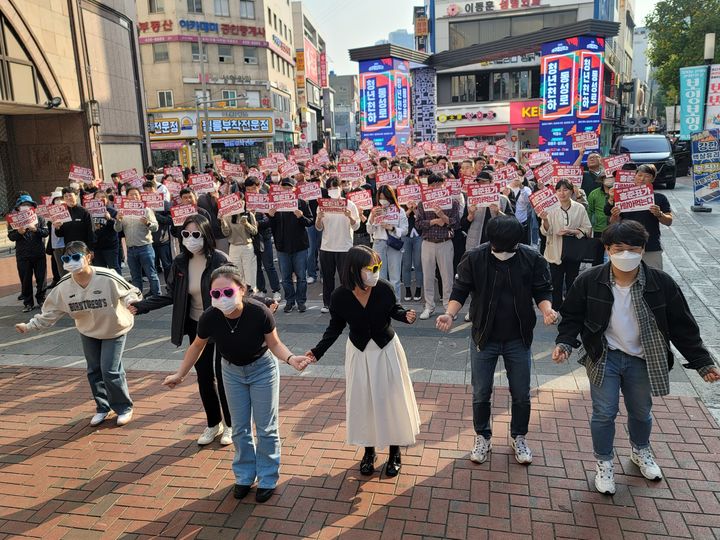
{"x": 374, "y": 267}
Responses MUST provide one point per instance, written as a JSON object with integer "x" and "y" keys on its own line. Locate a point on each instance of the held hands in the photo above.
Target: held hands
{"x": 543, "y": 215}
{"x": 22, "y": 328}
{"x": 300, "y": 362}
{"x": 57, "y": 225}
{"x": 411, "y": 316}
{"x": 550, "y": 317}
{"x": 444, "y": 322}
{"x": 615, "y": 212}
{"x": 559, "y": 355}
{"x": 712, "y": 376}
{"x": 132, "y": 309}
{"x": 171, "y": 381}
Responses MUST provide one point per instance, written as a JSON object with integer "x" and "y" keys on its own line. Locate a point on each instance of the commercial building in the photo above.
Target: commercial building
{"x": 347, "y": 107}
{"x": 70, "y": 93}
{"x": 234, "y": 58}
{"x": 400, "y": 37}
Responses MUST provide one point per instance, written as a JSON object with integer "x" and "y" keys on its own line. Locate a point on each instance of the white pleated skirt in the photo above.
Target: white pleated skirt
{"x": 381, "y": 406}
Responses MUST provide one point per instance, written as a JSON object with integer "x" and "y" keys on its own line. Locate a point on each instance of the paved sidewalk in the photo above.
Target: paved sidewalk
{"x": 62, "y": 479}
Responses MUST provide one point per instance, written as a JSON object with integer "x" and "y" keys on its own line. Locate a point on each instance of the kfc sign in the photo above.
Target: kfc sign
{"x": 525, "y": 112}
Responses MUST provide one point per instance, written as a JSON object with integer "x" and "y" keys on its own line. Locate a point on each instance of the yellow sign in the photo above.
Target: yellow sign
{"x": 300, "y": 61}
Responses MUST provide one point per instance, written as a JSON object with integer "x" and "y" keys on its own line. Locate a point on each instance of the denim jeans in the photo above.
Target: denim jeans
{"x": 163, "y": 258}
{"x": 141, "y": 260}
{"x": 107, "y": 258}
{"x": 315, "y": 239}
{"x": 629, "y": 374}
{"x": 253, "y": 394}
{"x": 534, "y": 229}
{"x": 294, "y": 263}
{"x": 411, "y": 258}
{"x": 517, "y": 358}
{"x": 106, "y": 374}
{"x": 392, "y": 264}
{"x": 267, "y": 261}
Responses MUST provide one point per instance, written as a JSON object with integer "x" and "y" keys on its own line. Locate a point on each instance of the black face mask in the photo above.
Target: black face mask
{"x": 504, "y": 249}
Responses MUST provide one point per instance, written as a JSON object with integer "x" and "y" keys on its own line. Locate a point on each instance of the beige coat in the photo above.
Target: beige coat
{"x": 575, "y": 218}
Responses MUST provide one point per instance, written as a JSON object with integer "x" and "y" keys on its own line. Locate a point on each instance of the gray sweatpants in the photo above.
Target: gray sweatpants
{"x": 440, "y": 254}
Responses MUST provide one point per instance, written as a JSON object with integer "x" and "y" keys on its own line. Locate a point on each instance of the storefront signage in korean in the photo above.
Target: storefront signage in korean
{"x": 164, "y": 128}
{"x": 155, "y": 26}
{"x": 458, "y": 9}
{"x": 239, "y": 126}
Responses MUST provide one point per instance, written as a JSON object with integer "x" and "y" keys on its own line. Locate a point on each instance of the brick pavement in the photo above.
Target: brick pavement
{"x": 62, "y": 479}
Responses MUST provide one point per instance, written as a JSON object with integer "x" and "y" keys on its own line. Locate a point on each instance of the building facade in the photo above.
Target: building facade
{"x": 347, "y": 107}
{"x": 218, "y": 69}
{"x": 70, "y": 93}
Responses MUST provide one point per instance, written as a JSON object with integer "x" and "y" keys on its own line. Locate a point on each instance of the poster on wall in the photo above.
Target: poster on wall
{"x": 572, "y": 94}
{"x": 706, "y": 166}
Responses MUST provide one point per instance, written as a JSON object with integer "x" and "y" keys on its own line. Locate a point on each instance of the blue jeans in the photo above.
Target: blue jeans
{"x": 411, "y": 258}
{"x": 294, "y": 263}
{"x": 267, "y": 261}
{"x": 392, "y": 263}
{"x": 517, "y": 358}
{"x": 534, "y": 229}
{"x": 163, "y": 258}
{"x": 141, "y": 260}
{"x": 629, "y": 374}
{"x": 253, "y": 392}
{"x": 107, "y": 258}
{"x": 315, "y": 238}
{"x": 106, "y": 374}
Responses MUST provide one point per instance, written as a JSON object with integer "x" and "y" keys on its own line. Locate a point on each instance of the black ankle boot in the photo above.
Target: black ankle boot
{"x": 392, "y": 468}
{"x": 367, "y": 465}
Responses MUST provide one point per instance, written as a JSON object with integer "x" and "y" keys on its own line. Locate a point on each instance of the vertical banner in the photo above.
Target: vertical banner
{"x": 572, "y": 94}
{"x": 712, "y": 114}
{"x": 706, "y": 166}
{"x": 401, "y": 75}
{"x": 692, "y": 100}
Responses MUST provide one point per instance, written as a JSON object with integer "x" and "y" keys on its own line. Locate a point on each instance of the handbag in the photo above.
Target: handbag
{"x": 395, "y": 243}
{"x": 576, "y": 249}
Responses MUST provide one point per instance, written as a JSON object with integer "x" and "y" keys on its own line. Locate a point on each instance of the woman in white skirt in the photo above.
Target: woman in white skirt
{"x": 379, "y": 397}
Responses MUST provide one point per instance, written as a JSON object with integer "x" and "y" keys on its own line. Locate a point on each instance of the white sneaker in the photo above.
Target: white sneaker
{"x": 209, "y": 434}
{"x": 523, "y": 455}
{"x": 277, "y": 296}
{"x": 123, "y": 419}
{"x": 467, "y": 317}
{"x": 226, "y": 438}
{"x": 324, "y": 309}
{"x": 605, "y": 477}
{"x": 645, "y": 460}
{"x": 310, "y": 280}
{"x": 98, "y": 419}
{"x": 426, "y": 313}
{"x": 481, "y": 449}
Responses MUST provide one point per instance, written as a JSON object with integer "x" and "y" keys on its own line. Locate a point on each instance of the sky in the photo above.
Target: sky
{"x": 347, "y": 24}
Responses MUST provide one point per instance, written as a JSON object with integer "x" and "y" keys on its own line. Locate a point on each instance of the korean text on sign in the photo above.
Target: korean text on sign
{"x": 332, "y": 206}
{"x": 409, "y": 194}
{"x": 544, "y": 200}
{"x": 22, "y": 220}
{"x": 634, "y": 198}
{"x": 309, "y": 191}
{"x": 483, "y": 195}
{"x": 181, "y": 213}
{"x": 230, "y": 205}
{"x": 362, "y": 199}
{"x": 257, "y": 202}
{"x": 436, "y": 198}
{"x": 389, "y": 215}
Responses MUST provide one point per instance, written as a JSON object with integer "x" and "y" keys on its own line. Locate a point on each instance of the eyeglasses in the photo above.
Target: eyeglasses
{"x": 228, "y": 292}
{"x": 75, "y": 257}
{"x": 194, "y": 234}
{"x": 374, "y": 267}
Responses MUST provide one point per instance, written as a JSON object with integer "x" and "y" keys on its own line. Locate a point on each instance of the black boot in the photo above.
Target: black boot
{"x": 367, "y": 465}
{"x": 392, "y": 468}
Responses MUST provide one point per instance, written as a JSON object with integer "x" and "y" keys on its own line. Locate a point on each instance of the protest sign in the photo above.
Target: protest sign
{"x": 279, "y": 157}
{"x": 625, "y": 177}
{"x": 506, "y": 172}
{"x": 231, "y": 204}
{"x": 58, "y": 213}
{"x": 614, "y": 163}
{"x": 173, "y": 188}
{"x": 458, "y": 153}
{"x": 153, "y": 201}
{"x": 87, "y": 197}
{"x": 127, "y": 175}
{"x": 389, "y": 179}
{"x": 132, "y": 209}
{"x": 346, "y": 154}
{"x": 544, "y": 173}
{"x": 361, "y": 199}
{"x": 309, "y": 191}
{"x": 349, "y": 172}
{"x": 409, "y": 194}
{"x": 201, "y": 183}
{"x": 564, "y": 172}
{"x": 386, "y": 215}
{"x": 586, "y": 140}
{"x": 180, "y": 213}
{"x": 439, "y": 197}
{"x": 538, "y": 158}
{"x": 416, "y": 153}
{"x": 268, "y": 165}
{"x": 635, "y": 198}
{"x": 360, "y": 156}
{"x": 440, "y": 169}
{"x": 22, "y": 220}
{"x": 284, "y": 201}
{"x": 288, "y": 169}
{"x": 175, "y": 172}
{"x": 454, "y": 185}
{"x": 96, "y": 207}
{"x": 258, "y": 202}
{"x": 544, "y": 200}
{"x": 81, "y": 174}
{"x": 483, "y": 195}
{"x": 332, "y": 206}
{"x": 438, "y": 149}
{"x": 231, "y": 169}
{"x": 504, "y": 153}
{"x": 42, "y": 211}
{"x": 471, "y": 145}
{"x": 300, "y": 154}
{"x": 501, "y": 142}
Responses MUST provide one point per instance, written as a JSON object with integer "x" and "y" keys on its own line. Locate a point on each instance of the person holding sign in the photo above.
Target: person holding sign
{"x": 80, "y": 227}
{"x": 240, "y": 229}
{"x": 388, "y": 224}
{"x": 98, "y": 300}
{"x": 29, "y": 231}
{"x": 380, "y": 402}
{"x": 107, "y": 242}
{"x": 627, "y": 314}
{"x": 478, "y": 216}
{"x": 412, "y": 248}
{"x": 569, "y": 219}
{"x": 658, "y": 213}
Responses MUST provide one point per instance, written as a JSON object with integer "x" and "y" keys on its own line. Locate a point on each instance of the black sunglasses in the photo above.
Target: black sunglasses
{"x": 188, "y": 234}
{"x": 74, "y": 257}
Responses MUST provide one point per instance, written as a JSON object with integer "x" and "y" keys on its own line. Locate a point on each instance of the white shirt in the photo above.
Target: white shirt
{"x": 337, "y": 232}
{"x": 623, "y": 331}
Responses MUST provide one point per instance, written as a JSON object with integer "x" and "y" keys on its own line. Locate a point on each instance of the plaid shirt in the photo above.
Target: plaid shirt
{"x": 437, "y": 233}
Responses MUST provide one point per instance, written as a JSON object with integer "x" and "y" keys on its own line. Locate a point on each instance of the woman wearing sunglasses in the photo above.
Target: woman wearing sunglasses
{"x": 97, "y": 299}
{"x": 189, "y": 294}
{"x": 380, "y": 402}
{"x": 245, "y": 335}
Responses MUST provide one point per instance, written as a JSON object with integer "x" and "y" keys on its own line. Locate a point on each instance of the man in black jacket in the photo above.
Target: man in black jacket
{"x": 626, "y": 314}
{"x": 505, "y": 277}
{"x": 161, "y": 237}
{"x": 80, "y": 227}
{"x": 30, "y": 254}
{"x": 291, "y": 242}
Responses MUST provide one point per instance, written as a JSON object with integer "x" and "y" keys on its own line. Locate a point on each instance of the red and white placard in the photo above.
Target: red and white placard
{"x": 181, "y": 213}
{"x": 439, "y": 197}
{"x": 635, "y": 198}
{"x": 153, "y": 201}
{"x": 544, "y": 200}
{"x": 361, "y": 199}
{"x": 614, "y": 163}
{"x": 284, "y": 201}
{"x": 309, "y": 191}
{"x": 231, "y": 204}
{"x": 409, "y": 193}
{"x": 132, "y": 209}
{"x": 332, "y": 206}
{"x": 58, "y": 213}
{"x": 258, "y": 202}
{"x": 81, "y": 174}
{"x": 483, "y": 194}
{"x": 22, "y": 220}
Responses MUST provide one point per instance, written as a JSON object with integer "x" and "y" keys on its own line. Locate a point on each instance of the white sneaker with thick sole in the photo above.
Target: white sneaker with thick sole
{"x": 98, "y": 419}
{"x": 226, "y": 438}
{"x": 645, "y": 460}
{"x": 605, "y": 477}
{"x": 425, "y": 315}
{"x": 124, "y": 418}
{"x": 523, "y": 455}
{"x": 324, "y": 309}
{"x": 209, "y": 434}
{"x": 277, "y": 296}
{"x": 480, "y": 451}
{"x": 310, "y": 280}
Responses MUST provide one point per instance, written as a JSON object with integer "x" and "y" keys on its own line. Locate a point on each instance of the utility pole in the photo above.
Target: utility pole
{"x": 203, "y": 83}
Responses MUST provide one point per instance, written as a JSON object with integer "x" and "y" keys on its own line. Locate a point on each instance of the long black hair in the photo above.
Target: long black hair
{"x": 205, "y": 229}
{"x": 357, "y": 258}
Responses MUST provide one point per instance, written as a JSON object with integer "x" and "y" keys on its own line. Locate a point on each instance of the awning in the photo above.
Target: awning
{"x": 166, "y": 145}
{"x": 475, "y": 131}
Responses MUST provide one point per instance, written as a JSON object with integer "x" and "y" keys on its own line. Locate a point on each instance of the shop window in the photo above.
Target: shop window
{"x": 500, "y": 86}
{"x": 156, "y": 6}
{"x": 250, "y": 55}
{"x": 160, "y": 52}
{"x": 225, "y": 54}
{"x": 195, "y": 49}
{"x": 247, "y": 9}
{"x": 222, "y": 8}
{"x": 202, "y": 97}
{"x": 194, "y": 6}
{"x": 520, "y": 85}
{"x": 463, "y": 89}
{"x": 165, "y": 98}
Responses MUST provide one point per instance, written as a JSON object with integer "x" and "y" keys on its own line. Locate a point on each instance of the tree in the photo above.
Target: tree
{"x": 676, "y": 36}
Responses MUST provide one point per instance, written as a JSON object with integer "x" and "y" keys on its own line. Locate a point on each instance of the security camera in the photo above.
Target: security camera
{"x": 53, "y": 103}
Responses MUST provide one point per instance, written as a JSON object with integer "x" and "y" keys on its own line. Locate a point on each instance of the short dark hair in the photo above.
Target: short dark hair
{"x": 76, "y": 246}
{"x": 149, "y": 184}
{"x": 632, "y": 233}
{"x": 185, "y": 191}
{"x": 357, "y": 258}
{"x": 435, "y": 179}
{"x": 68, "y": 189}
{"x": 205, "y": 229}
{"x": 484, "y": 176}
{"x": 504, "y": 233}
{"x": 332, "y": 182}
{"x": 564, "y": 182}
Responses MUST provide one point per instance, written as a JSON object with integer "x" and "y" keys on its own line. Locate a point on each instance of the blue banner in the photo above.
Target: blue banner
{"x": 693, "y": 81}
{"x": 706, "y": 166}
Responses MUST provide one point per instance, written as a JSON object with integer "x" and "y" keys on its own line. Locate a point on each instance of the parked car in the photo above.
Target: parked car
{"x": 650, "y": 148}
{"x": 683, "y": 157}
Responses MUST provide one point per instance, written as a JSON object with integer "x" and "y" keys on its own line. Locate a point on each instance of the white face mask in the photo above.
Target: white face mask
{"x": 225, "y": 304}
{"x": 73, "y": 266}
{"x": 383, "y": 202}
{"x": 274, "y": 179}
{"x": 194, "y": 245}
{"x": 608, "y": 184}
{"x": 334, "y": 193}
{"x": 503, "y": 255}
{"x": 370, "y": 279}
{"x": 626, "y": 261}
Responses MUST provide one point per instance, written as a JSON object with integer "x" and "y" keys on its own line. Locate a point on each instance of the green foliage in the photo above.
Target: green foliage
{"x": 676, "y": 41}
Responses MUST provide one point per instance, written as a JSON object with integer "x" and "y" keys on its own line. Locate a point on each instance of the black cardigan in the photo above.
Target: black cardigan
{"x": 372, "y": 322}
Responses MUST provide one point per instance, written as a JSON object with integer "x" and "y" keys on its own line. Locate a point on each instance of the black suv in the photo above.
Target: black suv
{"x": 650, "y": 148}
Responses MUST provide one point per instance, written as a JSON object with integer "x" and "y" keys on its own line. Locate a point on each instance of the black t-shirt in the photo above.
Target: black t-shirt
{"x": 246, "y": 343}
{"x": 505, "y": 322}
{"x": 651, "y": 223}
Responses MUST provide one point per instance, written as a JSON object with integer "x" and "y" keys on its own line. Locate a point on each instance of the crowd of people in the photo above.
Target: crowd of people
{"x": 386, "y": 245}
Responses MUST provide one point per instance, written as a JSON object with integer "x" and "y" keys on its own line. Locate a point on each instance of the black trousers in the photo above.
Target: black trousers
{"x": 27, "y": 268}
{"x": 600, "y": 250}
{"x": 563, "y": 275}
{"x": 330, "y": 262}
{"x": 208, "y": 368}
